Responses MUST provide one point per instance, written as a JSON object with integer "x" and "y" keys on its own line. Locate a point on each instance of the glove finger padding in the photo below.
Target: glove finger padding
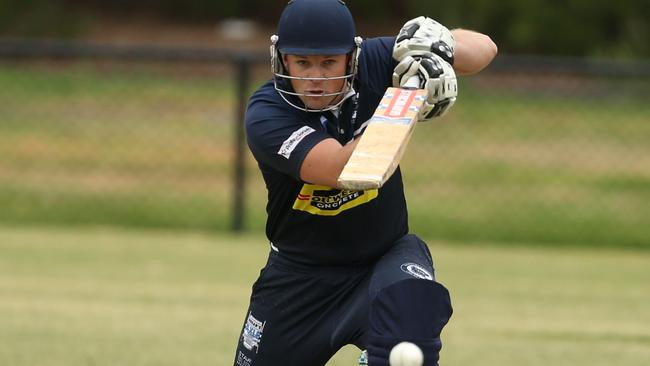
{"x": 409, "y": 28}
{"x": 441, "y": 86}
{"x": 440, "y": 79}
{"x": 422, "y": 35}
{"x": 430, "y": 111}
{"x": 436, "y": 76}
{"x": 406, "y": 69}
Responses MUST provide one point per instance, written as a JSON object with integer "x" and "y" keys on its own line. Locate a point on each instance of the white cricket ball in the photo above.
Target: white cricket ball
{"x": 406, "y": 354}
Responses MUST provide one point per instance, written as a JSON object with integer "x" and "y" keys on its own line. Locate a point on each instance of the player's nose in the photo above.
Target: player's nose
{"x": 316, "y": 74}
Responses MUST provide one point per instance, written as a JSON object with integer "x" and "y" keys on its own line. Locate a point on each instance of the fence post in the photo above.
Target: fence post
{"x": 242, "y": 64}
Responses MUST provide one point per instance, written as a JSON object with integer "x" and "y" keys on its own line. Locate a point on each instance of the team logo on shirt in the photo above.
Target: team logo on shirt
{"x": 252, "y": 334}
{"x": 416, "y": 271}
{"x": 327, "y": 201}
{"x": 292, "y": 142}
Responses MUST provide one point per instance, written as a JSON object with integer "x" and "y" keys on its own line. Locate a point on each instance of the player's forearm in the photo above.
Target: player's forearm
{"x": 324, "y": 163}
{"x": 473, "y": 52}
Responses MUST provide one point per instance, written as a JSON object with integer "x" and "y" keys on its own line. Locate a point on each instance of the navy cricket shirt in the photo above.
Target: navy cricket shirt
{"x": 320, "y": 225}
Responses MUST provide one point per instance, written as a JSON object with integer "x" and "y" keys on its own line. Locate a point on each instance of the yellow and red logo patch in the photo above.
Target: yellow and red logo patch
{"x": 327, "y": 201}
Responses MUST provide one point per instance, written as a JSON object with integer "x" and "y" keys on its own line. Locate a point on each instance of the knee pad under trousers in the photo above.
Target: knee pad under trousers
{"x": 413, "y": 310}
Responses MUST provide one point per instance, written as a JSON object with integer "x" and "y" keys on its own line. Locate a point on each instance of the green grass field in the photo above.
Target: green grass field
{"x": 71, "y": 297}
{"x": 84, "y": 144}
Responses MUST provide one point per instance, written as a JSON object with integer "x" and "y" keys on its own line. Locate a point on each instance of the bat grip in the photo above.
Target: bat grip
{"x": 412, "y": 83}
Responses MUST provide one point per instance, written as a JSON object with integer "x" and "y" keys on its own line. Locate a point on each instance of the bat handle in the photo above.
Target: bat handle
{"x": 412, "y": 83}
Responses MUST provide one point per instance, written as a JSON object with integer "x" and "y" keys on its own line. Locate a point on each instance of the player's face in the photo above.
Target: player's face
{"x": 317, "y": 66}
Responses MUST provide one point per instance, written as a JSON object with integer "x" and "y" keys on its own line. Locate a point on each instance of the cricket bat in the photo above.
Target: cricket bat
{"x": 384, "y": 141}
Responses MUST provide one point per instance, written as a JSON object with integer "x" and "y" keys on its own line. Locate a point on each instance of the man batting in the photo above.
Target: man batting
{"x": 343, "y": 267}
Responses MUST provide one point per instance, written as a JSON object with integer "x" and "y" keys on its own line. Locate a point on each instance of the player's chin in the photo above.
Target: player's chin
{"x": 316, "y": 102}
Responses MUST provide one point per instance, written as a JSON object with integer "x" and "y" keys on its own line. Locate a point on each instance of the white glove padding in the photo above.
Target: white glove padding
{"x": 424, "y": 35}
{"x": 436, "y": 76}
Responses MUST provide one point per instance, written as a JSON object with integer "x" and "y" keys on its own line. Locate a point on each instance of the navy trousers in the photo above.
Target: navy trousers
{"x": 302, "y": 315}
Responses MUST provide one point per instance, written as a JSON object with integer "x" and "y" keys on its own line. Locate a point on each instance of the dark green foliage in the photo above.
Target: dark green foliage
{"x": 570, "y": 27}
{"x": 39, "y": 18}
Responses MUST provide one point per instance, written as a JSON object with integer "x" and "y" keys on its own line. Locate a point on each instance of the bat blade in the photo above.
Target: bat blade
{"x": 384, "y": 141}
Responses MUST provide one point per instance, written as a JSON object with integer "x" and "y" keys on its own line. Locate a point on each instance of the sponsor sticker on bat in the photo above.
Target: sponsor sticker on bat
{"x": 400, "y": 103}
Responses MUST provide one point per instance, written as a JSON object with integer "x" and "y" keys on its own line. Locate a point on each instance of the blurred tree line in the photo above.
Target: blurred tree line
{"x": 570, "y": 27}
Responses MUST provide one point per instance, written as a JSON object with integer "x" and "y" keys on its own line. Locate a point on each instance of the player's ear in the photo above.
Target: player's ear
{"x": 284, "y": 59}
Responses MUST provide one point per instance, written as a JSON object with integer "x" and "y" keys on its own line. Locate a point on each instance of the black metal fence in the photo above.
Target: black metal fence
{"x": 552, "y": 150}
{"x": 240, "y": 62}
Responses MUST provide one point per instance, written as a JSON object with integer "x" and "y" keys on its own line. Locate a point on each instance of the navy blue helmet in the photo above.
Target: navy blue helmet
{"x": 314, "y": 27}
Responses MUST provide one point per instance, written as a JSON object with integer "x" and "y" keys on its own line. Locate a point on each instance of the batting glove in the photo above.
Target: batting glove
{"x": 424, "y": 35}
{"x": 436, "y": 76}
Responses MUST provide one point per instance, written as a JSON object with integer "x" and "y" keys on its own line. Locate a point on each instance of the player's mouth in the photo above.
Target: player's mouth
{"x": 316, "y": 98}
{"x": 315, "y": 92}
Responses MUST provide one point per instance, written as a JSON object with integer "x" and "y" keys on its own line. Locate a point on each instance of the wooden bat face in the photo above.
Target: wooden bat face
{"x": 383, "y": 143}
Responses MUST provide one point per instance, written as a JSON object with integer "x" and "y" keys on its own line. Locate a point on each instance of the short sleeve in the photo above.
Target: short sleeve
{"x": 279, "y": 136}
